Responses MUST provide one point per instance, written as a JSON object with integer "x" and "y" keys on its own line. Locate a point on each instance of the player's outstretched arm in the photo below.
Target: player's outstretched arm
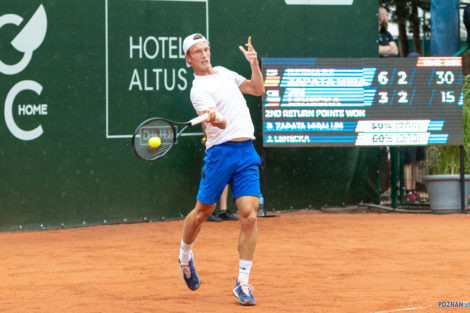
{"x": 255, "y": 85}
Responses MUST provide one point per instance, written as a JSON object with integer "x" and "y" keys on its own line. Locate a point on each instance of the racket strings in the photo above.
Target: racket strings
{"x": 150, "y": 129}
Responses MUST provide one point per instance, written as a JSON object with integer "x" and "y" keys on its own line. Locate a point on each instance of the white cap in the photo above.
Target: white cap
{"x": 190, "y": 41}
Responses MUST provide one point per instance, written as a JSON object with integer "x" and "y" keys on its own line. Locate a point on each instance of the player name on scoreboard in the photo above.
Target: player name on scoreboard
{"x": 362, "y": 102}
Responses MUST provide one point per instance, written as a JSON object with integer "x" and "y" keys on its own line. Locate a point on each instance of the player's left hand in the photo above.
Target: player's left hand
{"x": 250, "y": 54}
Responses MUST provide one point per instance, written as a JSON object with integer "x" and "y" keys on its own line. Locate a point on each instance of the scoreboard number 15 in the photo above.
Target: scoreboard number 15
{"x": 447, "y": 97}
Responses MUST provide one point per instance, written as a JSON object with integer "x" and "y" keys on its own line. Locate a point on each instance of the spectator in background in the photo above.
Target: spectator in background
{"x": 412, "y": 161}
{"x": 466, "y": 21}
{"x": 387, "y": 46}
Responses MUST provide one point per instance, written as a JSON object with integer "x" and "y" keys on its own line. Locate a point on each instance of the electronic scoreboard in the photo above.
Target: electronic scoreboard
{"x": 362, "y": 102}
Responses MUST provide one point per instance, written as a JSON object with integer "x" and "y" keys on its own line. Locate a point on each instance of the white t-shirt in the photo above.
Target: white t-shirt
{"x": 221, "y": 90}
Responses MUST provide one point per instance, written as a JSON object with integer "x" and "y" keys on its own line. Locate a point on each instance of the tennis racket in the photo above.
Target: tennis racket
{"x": 154, "y": 137}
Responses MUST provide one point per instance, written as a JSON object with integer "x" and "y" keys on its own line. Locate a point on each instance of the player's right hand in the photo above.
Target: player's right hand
{"x": 215, "y": 118}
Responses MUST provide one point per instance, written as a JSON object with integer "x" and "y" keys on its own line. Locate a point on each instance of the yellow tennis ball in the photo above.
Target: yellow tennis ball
{"x": 155, "y": 142}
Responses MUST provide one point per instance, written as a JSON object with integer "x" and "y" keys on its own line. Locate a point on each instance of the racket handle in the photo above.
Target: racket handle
{"x": 203, "y": 117}
{"x": 199, "y": 119}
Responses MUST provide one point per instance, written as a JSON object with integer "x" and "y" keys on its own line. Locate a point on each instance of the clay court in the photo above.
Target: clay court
{"x": 305, "y": 262}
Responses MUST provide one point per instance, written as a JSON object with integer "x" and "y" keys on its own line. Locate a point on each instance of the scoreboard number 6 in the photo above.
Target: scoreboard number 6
{"x": 382, "y": 78}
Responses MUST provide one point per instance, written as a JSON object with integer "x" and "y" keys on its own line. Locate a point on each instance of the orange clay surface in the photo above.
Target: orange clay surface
{"x": 305, "y": 262}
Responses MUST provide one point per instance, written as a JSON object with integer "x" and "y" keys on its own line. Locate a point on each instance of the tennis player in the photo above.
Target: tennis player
{"x": 230, "y": 155}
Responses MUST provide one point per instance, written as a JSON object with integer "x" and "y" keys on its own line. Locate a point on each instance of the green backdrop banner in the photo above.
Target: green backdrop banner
{"x": 76, "y": 78}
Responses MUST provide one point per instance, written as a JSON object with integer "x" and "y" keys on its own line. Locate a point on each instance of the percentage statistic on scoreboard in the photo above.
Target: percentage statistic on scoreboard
{"x": 362, "y": 102}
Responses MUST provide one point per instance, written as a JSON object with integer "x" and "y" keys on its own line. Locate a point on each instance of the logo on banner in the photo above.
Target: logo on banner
{"x": 28, "y": 39}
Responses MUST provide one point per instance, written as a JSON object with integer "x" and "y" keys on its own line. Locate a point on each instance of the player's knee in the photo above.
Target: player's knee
{"x": 248, "y": 221}
{"x": 203, "y": 212}
{"x": 202, "y": 216}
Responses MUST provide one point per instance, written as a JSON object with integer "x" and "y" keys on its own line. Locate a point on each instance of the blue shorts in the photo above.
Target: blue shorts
{"x": 234, "y": 163}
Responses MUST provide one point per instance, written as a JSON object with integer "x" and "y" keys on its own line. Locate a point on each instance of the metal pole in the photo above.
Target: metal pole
{"x": 423, "y": 48}
{"x": 379, "y": 185}
{"x": 262, "y": 212}
{"x": 393, "y": 175}
{"x": 463, "y": 209}
{"x": 401, "y": 173}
